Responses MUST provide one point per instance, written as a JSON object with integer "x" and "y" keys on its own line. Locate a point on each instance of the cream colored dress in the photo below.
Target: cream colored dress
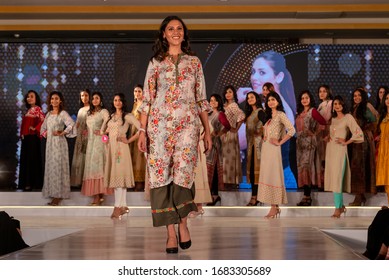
{"x": 337, "y": 176}
{"x": 271, "y": 185}
{"x": 118, "y": 167}
{"x": 203, "y": 193}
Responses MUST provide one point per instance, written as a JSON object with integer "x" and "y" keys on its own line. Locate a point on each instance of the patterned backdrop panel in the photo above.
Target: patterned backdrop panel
{"x": 110, "y": 68}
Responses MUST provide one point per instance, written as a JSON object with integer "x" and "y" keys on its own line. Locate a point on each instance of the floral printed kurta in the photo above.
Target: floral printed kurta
{"x": 174, "y": 95}
{"x": 77, "y": 171}
{"x": 271, "y": 186}
{"x": 337, "y": 171}
{"x": 57, "y": 178}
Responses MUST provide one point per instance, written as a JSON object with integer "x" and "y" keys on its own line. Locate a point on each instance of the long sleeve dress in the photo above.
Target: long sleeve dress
{"x": 57, "y": 176}
{"x": 362, "y": 163}
{"x": 271, "y": 184}
{"x": 218, "y": 121}
{"x": 337, "y": 176}
{"x": 31, "y": 169}
{"x": 254, "y": 135}
{"x": 118, "y": 167}
{"x": 93, "y": 182}
{"x": 174, "y": 95}
{"x": 78, "y": 162}
{"x": 308, "y": 168}
{"x": 232, "y": 173}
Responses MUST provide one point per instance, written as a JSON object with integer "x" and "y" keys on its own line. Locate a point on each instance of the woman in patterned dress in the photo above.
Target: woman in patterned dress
{"x": 307, "y": 120}
{"x": 96, "y": 121}
{"x": 232, "y": 165}
{"x": 219, "y": 126}
{"x": 174, "y": 104}
{"x": 118, "y": 174}
{"x": 55, "y": 127}
{"x": 325, "y": 96}
{"x": 138, "y": 158}
{"x": 78, "y": 163}
{"x": 382, "y": 168}
{"x": 277, "y": 130}
{"x": 362, "y": 162}
{"x": 31, "y": 169}
{"x": 337, "y": 175}
{"x": 255, "y": 118}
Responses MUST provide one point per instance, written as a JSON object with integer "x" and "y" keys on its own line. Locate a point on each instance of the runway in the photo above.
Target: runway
{"x": 223, "y": 233}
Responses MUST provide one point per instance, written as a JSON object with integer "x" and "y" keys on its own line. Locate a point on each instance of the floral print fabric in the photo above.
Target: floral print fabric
{"x": 174, "y": 95}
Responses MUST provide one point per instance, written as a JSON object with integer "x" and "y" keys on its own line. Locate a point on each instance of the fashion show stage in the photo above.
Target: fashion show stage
{"x": 228, "y": 231}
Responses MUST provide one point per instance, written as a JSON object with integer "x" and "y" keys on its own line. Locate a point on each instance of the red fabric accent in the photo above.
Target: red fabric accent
{"x": 318, "y": 117}
{"x": 224, "y": 121}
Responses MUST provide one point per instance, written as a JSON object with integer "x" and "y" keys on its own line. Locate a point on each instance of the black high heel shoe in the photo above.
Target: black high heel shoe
{"x": 184, "y": 245}
{"x": 214, "y": 201}
{"x": 171, "y": 250}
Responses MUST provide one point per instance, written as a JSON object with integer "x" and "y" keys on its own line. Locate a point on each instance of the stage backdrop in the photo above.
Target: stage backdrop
{"x": 112, "y": 68}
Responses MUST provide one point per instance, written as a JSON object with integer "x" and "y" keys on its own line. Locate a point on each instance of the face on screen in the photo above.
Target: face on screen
{"x": 262, "y": 72}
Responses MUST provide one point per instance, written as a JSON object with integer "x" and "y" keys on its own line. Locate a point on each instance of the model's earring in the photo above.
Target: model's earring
{"x": 101, "y": 104}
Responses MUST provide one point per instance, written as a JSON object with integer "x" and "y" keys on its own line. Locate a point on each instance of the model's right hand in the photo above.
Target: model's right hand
{"x": 142, "y": 142}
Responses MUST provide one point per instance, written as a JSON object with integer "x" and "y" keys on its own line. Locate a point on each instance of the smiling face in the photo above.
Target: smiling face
{"x": 55, "y": 100}
{"x": 96, "y": 101}
{"x": 174, "y": 33}
{"x": 213, "y": 102}
{"x": 357, "y": 97}
{"x": 31, "y": 99}
{"x": 84, "y": 97}
{"x": 229, "y": 95}
{"x": 117, "y": 102}
{"x": 251, "y": 99}
{"x": 338, "y": 107}
{"x": 272, "y": 103}
{"x": 305, "y": 100}
{"x": 138, "y": 93}
{"x": 262, "y": 72}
